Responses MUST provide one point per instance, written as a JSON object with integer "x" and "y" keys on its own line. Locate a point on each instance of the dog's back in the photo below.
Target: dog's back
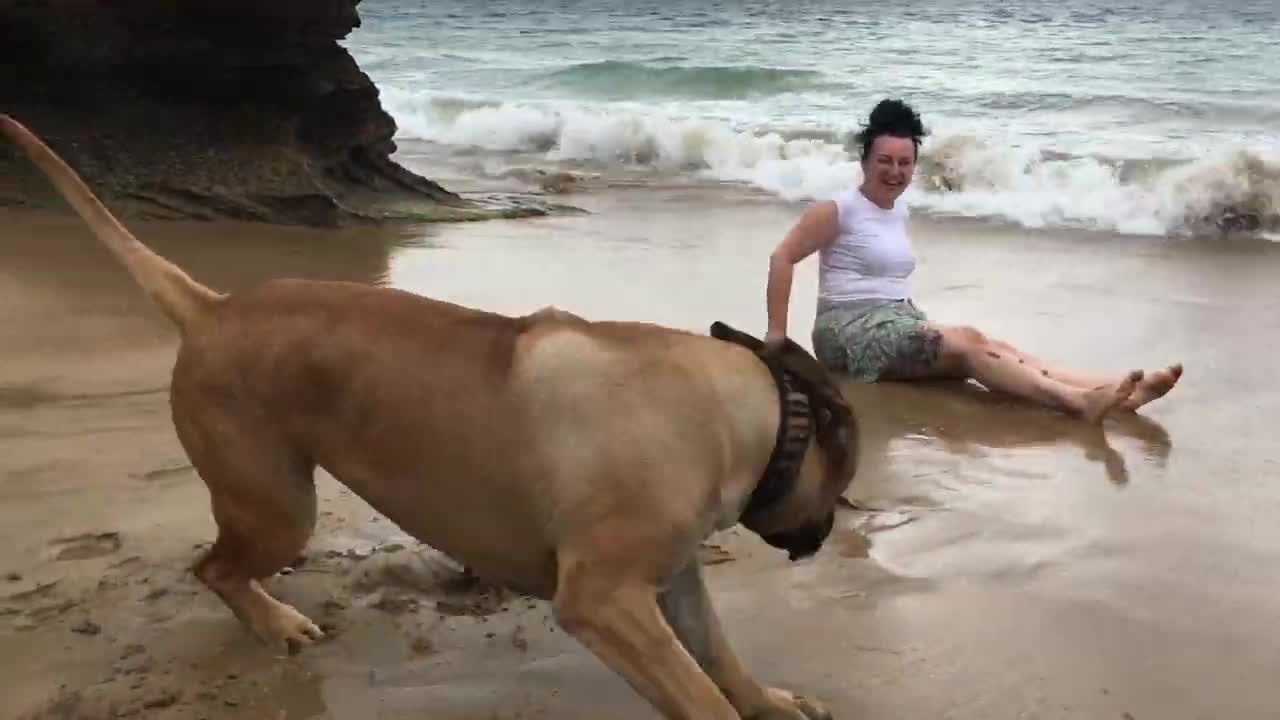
{"x": 443, "y": 416}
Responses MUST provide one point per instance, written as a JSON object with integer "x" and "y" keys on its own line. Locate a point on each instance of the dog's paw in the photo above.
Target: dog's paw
{"x": 789, "y": 706}
{"x": 284, "y": 625}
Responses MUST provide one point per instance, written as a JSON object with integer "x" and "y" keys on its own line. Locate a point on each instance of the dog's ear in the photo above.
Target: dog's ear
{"x": 804, "y": 367}
{"x": 835, "y": 423}
{"x": 723, "y": 331}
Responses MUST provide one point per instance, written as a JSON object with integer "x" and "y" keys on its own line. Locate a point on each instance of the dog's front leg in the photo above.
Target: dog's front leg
{"x": 615, "y": 615}
{"x": 687, "y": 607}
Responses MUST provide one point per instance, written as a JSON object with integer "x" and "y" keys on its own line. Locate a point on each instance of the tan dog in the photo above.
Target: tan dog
{"x": 580, "y": 462}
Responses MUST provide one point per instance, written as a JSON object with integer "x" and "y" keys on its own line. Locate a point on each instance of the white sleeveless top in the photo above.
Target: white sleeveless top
{"x": 871, "y": 256}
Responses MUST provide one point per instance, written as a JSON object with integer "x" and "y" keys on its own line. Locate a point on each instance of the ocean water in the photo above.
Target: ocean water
{"x": 1149, "y": 117}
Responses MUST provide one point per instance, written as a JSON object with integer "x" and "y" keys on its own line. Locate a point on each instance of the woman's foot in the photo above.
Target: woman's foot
{"x": 1105, "y": 398}
{"x": 1155, "y": 385}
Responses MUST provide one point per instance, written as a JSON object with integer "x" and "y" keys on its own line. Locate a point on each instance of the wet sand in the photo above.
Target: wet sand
{"x": 998, "y": 560}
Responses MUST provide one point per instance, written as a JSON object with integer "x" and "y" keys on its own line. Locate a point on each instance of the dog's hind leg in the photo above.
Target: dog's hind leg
{"x": 264, "y": 504}
{"x": 686, "y": 604}
{"x": 606, "y": 603}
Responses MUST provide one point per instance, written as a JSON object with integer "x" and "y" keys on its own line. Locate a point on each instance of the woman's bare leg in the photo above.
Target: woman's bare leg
{"x": 1064, "y": 375}
{"x": 1154, "y": 385}
{"x": 952, "y": 351}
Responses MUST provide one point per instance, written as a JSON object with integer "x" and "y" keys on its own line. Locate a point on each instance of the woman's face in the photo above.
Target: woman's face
{"x": 889, "y": 165}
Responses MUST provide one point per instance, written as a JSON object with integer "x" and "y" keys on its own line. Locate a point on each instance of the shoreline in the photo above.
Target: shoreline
{"x": 999, "y": 560}
{"x": 473, "y": 170}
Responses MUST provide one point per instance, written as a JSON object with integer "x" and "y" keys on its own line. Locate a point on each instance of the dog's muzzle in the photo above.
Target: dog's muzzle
{"x": 803, "y": 541}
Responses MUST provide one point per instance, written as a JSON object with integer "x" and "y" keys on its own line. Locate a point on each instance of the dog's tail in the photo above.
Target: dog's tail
{"x": 181, "y": 298}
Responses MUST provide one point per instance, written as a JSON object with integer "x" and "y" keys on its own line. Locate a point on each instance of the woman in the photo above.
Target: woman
{"x": 866, "y": 324}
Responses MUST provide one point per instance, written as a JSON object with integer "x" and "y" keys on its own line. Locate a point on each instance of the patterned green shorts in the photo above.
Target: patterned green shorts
{"x": 874, "y": 340}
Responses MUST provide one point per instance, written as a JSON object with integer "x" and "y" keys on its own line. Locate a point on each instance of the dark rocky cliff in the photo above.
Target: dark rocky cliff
{"x": 243, "y": 109}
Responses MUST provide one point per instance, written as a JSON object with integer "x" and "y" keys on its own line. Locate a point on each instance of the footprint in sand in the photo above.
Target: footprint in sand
{"x": 87, "y": 546}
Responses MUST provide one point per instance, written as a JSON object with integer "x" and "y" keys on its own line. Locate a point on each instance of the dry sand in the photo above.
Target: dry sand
{"x": 999, "y": 561}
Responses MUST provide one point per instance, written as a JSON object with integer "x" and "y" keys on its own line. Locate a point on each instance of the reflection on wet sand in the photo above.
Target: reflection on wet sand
{"x": 56, "y": 254}
{"x": 960, "y": 416}
{"x": 76, "y": 300}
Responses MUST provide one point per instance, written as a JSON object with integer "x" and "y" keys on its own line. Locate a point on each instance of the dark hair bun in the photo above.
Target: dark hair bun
{"x": 894, "y": 118}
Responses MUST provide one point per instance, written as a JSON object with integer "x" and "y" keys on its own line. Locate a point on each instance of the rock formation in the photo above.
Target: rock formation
{"x": 240, "y": 109}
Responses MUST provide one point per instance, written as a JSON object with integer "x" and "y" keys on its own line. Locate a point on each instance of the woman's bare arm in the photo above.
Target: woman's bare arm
{"x": 816, "y": 228}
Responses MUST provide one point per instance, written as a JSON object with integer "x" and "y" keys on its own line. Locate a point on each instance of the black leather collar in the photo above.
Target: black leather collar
{"x": 795, "y": 428}
{"x": 795, "y": 425}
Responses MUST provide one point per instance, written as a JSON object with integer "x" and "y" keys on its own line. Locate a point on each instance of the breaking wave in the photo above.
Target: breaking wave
{"x": 1224, "y": 188}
